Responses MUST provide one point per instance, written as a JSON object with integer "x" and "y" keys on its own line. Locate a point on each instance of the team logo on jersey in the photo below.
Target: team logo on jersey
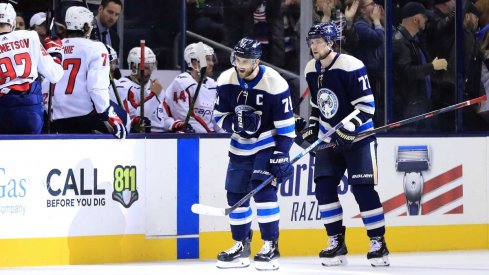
{"x": 327, "y": 102}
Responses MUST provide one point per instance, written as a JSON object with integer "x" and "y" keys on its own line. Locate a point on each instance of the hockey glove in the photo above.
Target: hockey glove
{"x": 246, "y": 119}
{"x": 280, "y": 166}
{"x": 54, "y": 48}
{"x": 180, "y": 127}
{"x": 300, "y": 123}
{"x": 307, "y": 137}
{"x": 114, "y": 123}
{"x": 136, "y": 124}
{"x": 343, "y": 139}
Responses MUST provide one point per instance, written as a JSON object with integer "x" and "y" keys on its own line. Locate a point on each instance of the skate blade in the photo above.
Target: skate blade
{"x": 335, "y": 261}
{"x": 267, "y": 266}
{"x": 377, "y": 262}
{"x": 236, "y": 263}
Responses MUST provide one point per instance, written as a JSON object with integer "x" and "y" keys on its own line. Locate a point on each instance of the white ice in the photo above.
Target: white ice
{"x": 432, "y": 263}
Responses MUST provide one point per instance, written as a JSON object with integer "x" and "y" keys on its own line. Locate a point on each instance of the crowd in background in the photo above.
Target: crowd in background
{"x": 423, "y": 46}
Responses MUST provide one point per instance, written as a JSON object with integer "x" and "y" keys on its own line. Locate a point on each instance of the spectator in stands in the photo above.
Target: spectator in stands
{"x": 484, "y": 109}
{"x": 412, "y": 71}
{"x": 107, "y": 16}
{"x": 369, "y": 24}
{"x": 440, "y": 39}
{"x": 205, "y": 17}
{"x": 19, "y": 22}
{"x": 332, "y": 11}
{"x": 38, "y": 24}
{"x": 472, "y": 121}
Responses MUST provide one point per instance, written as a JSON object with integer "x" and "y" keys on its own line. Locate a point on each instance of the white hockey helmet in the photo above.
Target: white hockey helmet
{"x": 112, "y": 54}
{"x": 191, "y": 53}
{"x": 77, "y": 17}
{"x": 134, "y": 57}
{"x": 7, "y": 14}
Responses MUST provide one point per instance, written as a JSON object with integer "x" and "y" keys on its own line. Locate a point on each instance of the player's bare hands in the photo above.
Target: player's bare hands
{"x": 156, "y": 87}
{"x": 440, "y": 64}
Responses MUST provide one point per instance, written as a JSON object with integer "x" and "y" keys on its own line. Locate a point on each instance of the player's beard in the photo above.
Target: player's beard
{"x": 323, "y": 56}
{"x": 247, "y": 72}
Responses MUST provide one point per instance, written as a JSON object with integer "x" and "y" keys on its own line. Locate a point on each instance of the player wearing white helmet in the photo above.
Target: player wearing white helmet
{"x": 181, "y": 92}
{"x": 23, "y": 59}
{"x": 155, "y": 116}
{"x": 81, "y": 99}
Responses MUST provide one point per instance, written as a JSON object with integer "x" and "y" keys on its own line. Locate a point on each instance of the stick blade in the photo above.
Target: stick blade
{"x": 201, "y": 209}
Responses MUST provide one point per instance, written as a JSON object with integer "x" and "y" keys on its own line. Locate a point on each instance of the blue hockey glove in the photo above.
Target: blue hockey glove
{"x": 343, "y": 139}
{"x": 280, "y": 166}
{"x": 246, "y": 119}
{"x": 114, "y": 123}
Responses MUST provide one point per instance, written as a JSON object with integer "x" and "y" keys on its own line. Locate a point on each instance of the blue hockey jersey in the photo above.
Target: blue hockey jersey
{"x": 268, "y": 93}
{"x": 337, "y": 90}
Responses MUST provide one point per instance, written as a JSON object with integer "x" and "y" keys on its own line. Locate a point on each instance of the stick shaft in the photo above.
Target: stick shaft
{"x": 414, "y": 119}
{"x": 294, "y": 160}
{"x": 142, "y": 82}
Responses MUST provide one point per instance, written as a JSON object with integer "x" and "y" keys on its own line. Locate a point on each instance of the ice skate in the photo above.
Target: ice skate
{"x": 237, "y": 256}
{"x": 378, "y": 252}
{"x": 267, "y": 258}
{"x": 334, "y": 254}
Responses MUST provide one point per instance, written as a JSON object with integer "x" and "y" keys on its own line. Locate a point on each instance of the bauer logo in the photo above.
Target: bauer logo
{"x": 125, "y": 185}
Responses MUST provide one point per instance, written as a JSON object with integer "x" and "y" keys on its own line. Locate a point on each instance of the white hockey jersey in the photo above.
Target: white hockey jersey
{"x": 85, "y": 83}
{"x": 178, "y": 98}
{"x": 23, "y": 58}
{"x": 130, "y": 94}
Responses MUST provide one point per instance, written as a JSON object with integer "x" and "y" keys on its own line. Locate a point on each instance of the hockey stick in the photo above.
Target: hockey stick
{"x": 50, "y": 18}
{"x": 116, "y": 92}
{"x": 414, "y": 119}
{"x": 214, "y": 211}
{"x": 203, "y": 67}
{"x": 303, "y": 96}
{"x": 142, "y": 82}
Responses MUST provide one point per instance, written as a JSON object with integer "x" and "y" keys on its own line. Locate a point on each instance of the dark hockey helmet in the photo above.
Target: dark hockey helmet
{"x": 327, "y": 31}
{"x": 246, "y": 48}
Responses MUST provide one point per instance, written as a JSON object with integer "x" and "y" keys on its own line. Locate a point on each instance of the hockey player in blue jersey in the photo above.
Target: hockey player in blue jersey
{"x": 254, "y": 105}
{"x": 339, "y": 85}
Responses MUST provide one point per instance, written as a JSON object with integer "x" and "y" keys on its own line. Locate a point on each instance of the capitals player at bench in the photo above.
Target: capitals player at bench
{"x": 254, "y": 104}
{"x": 22, "y": 57}
{"x": 181, "y": 92}
{"x": 81, "y": 102}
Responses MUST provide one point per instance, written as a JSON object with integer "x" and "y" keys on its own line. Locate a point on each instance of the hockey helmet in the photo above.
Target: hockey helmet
{"x": 327, "y": 31}
{"x": 77, "y": 18}
{"x": 112, "y": 54}
{"x": 246, "y": 48}
{"x": 134, "y": 57}
{"x": 7, "y": 14}
{"x": 191, "y": 53}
